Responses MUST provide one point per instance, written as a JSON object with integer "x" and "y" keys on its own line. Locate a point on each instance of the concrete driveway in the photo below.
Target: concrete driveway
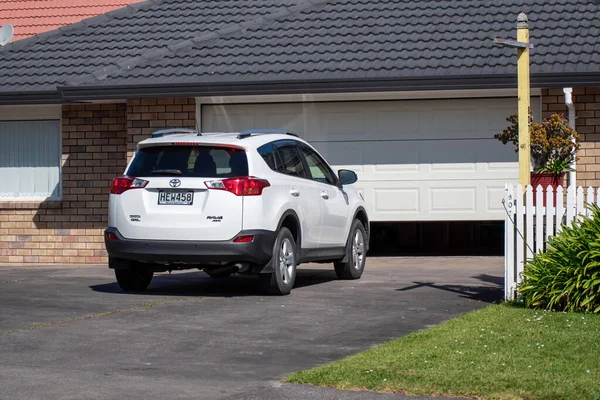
{"x": 70, "y": 333}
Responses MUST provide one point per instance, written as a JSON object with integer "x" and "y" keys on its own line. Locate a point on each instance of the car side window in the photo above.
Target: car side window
{"x": 319, "y": 170}
{"x": 268, "y": 154}
{"x": 289, "y": 161}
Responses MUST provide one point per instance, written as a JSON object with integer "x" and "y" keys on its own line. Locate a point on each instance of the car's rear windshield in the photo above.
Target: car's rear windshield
{"x": 189, "y": 161}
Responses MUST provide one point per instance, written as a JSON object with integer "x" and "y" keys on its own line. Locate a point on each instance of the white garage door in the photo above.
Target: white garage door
{"x": 417, "y": 160}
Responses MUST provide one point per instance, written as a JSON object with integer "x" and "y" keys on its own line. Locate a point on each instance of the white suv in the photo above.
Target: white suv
{"x": 255, "y": 202}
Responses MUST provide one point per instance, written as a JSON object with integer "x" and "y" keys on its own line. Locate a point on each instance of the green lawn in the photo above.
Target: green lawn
{"x": 500, "y": 352}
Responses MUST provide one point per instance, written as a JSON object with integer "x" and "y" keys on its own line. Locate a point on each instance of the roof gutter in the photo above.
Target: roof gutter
{"x": 192, "y": 89}
{"x": 48, "y": 97}
{"x": 69, "y": 94}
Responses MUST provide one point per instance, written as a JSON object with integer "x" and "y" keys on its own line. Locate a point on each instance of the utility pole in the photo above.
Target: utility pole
{"x": 523, "y": 46}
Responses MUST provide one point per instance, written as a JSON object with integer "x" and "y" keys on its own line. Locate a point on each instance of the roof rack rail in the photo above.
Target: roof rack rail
{"x": 172, "y": 131}
{"x": 250, "y": 132}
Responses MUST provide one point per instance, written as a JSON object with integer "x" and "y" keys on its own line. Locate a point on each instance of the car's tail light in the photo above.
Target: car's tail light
{"x": 124, "y": 183}
{"x": 244, "y": 186}
{"x": 243, "y": 239}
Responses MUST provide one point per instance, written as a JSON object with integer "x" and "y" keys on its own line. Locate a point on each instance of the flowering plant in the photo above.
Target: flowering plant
{"x": 553, "y": 142}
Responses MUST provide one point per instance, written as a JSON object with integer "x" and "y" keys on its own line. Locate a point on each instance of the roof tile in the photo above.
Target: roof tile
{"x": 30, "y": 17}
{"x": 202, "y": 41}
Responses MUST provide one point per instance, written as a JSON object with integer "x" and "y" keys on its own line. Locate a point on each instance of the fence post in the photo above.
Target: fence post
{"x": 580, "y": 209}
{"x": 520, "y": 231}
{"x": 560, "y": 209}
{"x": 570, "y": 205}
{"x": 539, "y": 219}
{"x": 589, "y": 200}
{"x": 509, "y": 243}
{"x": 549, "y": 213}
{"x": 529, "y": 225}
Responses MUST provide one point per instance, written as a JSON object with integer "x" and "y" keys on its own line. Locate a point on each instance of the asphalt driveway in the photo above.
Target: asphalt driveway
{"x": 70, "y": 333}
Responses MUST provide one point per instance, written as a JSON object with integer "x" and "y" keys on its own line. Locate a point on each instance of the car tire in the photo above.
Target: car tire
{"x": 133, "y": 279}
{"x": 356, "y": 255}
{"x": 284, "y": 262}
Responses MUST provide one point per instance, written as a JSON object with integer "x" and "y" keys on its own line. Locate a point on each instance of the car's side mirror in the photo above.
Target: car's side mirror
{"x": 347, "y": 177}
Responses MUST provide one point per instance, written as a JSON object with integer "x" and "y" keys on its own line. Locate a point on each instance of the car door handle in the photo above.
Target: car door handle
{"x": 294, "y": 193}
{"x": 324, "y": 195}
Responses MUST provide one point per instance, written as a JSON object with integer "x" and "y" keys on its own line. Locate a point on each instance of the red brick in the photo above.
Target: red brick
{"x": 166, "y": 101}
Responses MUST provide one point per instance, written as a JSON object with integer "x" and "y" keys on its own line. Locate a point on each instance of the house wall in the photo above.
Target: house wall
{"x": 97, "y": 142}
{"x": 587, "y": 123}
{"x": 99, "y": 139}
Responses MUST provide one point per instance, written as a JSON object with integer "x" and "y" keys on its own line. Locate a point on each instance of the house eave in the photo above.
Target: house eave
{"x": 24, "y": 98}
{"x": 68, "y": 94}
{"x": 79, "y": 93}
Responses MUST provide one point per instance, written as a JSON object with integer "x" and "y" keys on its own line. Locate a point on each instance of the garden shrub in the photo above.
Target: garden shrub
{"x": 566, "y": 277}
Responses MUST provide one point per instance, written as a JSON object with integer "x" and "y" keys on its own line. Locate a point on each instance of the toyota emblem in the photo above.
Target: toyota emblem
{"x": 174, "y": 183}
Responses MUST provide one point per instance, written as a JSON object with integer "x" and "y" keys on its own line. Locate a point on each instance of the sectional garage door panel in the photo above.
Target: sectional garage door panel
{"x": 416, "y": 160}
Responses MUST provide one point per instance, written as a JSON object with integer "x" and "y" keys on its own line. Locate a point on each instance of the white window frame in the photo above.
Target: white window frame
{"x": 36, "y": 113}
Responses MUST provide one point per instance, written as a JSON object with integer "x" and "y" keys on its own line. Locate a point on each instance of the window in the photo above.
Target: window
{"x": 289, "y": 161}
{"x": 30, "y": 156}
{"x": 267, "y": 153}
{"x": 319, "y": 170}
{"x": 189, "y": 161}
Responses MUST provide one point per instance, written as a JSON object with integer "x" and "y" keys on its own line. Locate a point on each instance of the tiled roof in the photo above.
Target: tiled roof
{"x": 269, "y": 42}
{"x": 30, "y": 17}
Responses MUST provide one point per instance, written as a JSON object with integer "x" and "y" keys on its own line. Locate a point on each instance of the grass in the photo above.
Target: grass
{"x": 500, "y": 352}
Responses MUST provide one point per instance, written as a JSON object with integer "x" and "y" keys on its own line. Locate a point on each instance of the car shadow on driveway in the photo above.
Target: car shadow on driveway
{"x": 200, "y": 284}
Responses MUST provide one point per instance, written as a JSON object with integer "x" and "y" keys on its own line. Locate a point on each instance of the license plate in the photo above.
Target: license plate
{"x": 174, "y": 198}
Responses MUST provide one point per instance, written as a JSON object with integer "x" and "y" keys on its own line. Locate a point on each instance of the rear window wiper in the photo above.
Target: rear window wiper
{"x": 166, "y": 172}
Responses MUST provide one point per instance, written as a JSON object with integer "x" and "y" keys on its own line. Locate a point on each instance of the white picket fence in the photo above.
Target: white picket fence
{"x": 529, "y": 224}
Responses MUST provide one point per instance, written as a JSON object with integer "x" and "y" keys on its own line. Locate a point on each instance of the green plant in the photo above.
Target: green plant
{"x": 566, "y": 276}
{"x": 553, "y": 142}
{"x": 558, "y": 165}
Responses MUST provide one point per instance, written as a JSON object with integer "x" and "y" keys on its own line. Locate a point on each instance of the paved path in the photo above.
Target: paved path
{"x": 70, "y": 333}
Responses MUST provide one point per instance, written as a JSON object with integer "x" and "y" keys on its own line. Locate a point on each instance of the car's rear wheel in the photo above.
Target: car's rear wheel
{"x": 281, "y": 280}
{"x": 356, "y": 254}
{"x": 133, "y": 279}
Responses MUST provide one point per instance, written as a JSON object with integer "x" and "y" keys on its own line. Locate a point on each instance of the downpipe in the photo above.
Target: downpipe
{"x": 571, "y": 107}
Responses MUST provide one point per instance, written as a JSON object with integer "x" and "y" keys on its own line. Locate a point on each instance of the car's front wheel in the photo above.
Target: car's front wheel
{"x": 133, "y": 279}
{"x": 281, "y": 280}
{"x": 356, "y": 254}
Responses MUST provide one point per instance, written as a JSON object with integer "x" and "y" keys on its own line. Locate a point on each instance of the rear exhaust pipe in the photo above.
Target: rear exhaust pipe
{"x": 242, "y": 267}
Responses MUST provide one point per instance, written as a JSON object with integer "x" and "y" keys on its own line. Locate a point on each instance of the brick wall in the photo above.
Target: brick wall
{"x": 70, "y": 231}
{"x": 97, "y": 141}
{"x": 587, "y": 122}
{"x": 145, "y": 116}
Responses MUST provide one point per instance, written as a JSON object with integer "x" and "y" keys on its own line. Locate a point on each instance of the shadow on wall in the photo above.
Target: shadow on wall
{"x": 94, "y": 151}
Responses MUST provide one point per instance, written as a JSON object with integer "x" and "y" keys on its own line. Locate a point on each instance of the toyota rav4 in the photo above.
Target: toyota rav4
{"x": 254, "y": 202}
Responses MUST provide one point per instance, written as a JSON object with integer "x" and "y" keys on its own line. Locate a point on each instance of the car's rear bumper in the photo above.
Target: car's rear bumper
{"x": 192, "y": 252}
